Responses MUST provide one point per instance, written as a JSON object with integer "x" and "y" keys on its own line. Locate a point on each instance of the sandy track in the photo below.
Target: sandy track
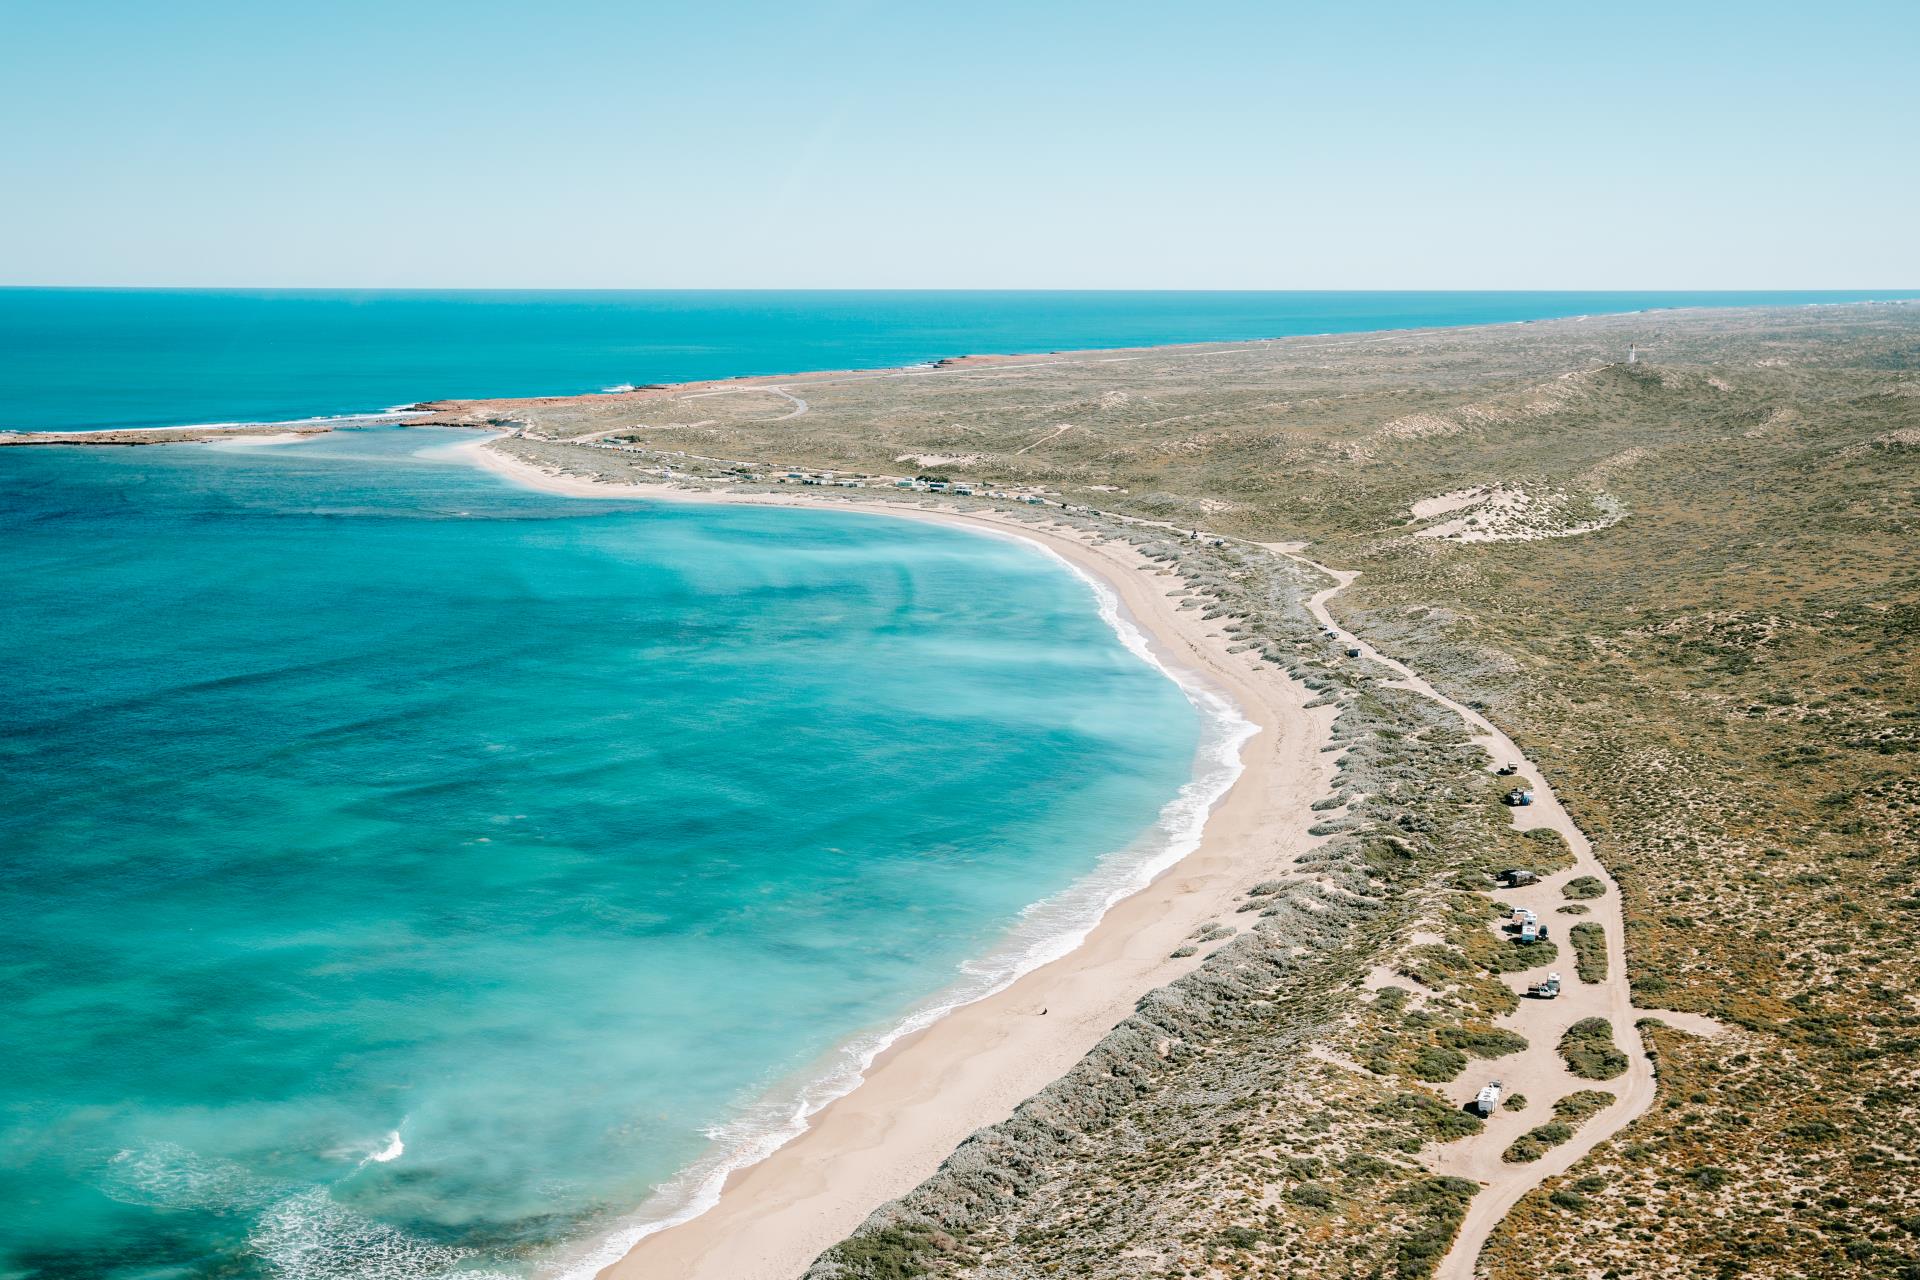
{"x": 1538, "y": 1072}
{"x": 775, "y": 1216}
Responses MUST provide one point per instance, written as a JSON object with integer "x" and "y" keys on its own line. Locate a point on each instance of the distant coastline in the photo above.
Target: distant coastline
{"x": 196, "y": 359}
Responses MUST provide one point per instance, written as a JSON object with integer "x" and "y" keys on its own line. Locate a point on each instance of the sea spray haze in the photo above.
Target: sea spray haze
{"x": 403, "y": 871}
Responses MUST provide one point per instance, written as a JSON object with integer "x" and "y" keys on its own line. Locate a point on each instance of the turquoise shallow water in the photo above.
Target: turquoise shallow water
{"x": 359, "y": 805}
{"x": 80, "y": 358}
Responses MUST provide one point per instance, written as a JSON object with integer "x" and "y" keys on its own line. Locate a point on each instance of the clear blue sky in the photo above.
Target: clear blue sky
{"x": 1113, "y": 144}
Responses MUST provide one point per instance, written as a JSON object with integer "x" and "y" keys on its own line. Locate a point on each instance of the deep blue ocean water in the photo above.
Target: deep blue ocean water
{"x": 359, "y": 804}
{"x": 79, "y": 358}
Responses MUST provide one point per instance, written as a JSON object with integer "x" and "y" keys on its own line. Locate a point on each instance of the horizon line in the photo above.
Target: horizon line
{"x": 523, "y": 288}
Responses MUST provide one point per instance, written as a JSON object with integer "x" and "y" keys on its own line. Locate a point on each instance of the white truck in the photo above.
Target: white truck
{"x": 1548, "y": 990}
{"x": 1487, "y": 1101}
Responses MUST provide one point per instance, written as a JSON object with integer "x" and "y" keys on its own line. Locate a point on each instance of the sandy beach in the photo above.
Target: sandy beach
{"x": 931, "y": 1090}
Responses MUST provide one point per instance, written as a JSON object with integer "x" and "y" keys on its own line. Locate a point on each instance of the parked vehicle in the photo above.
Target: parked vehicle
{"x": 1487, "y": 1101}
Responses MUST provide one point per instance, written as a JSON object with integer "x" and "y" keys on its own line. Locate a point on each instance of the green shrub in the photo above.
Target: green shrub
{"x": 1482, "y": 1042}
{"x": 1314, "y": 1195}
{"x": 1443, "y": 1203}
{"x": 1576, "y": 1107}
{"x": 1436, "y": 1064}
{"x": 1432, "y": 1118}
{"x": 890, "y": 1253}
{"x": 1511, "y": 955}
{"x": 1589, "y": 951}
{"x": 1584, "y": 887}
{"x": 1536, "y": 1142}
{"x": 1590, "y": 1052}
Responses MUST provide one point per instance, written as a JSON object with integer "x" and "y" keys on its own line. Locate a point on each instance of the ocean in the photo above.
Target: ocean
{"x": 410, "y": 875}
{"x": 74, "y": 359}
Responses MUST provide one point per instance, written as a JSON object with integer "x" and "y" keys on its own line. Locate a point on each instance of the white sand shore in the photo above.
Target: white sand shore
{"x": 931, "y": 1090}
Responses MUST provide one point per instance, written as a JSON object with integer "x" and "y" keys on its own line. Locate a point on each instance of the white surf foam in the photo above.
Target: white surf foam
{"x": 1045, "y": 931}
{"x": 311, "y": 1236}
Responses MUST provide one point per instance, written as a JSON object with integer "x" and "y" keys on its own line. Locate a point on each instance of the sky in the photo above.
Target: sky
{"x": 468, "y": 143}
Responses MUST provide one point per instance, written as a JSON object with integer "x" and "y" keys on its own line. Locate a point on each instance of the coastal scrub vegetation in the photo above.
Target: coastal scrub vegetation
{"x": 1686, "y": 588}
{"x": 1590, "y": 1052}
{"x": 1589, "y": 951}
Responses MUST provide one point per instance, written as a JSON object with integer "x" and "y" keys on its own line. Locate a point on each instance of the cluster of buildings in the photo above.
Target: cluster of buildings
{"x": 966, "y": 489}
{"x": 826, "y": 479}
{"x": 927, "y": 484}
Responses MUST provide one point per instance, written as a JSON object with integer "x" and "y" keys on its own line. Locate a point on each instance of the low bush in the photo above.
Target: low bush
{"x": 1432, "y": 1118}
{"x": 1577, "y": 1106}
{"x": 1314, "y": 1195}
{"x": 1437, "y": 1064}
{"x": 1482, "y": 1042}
{"x": 1536, "y": 1142}
{"x": 1590, "y": 1052}
{"x": 1511, "y": 955}
{"x": 1589, "y": 951}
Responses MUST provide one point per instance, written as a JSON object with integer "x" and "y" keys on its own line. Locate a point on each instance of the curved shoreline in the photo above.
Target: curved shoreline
{"x": 933, "y": 1088}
